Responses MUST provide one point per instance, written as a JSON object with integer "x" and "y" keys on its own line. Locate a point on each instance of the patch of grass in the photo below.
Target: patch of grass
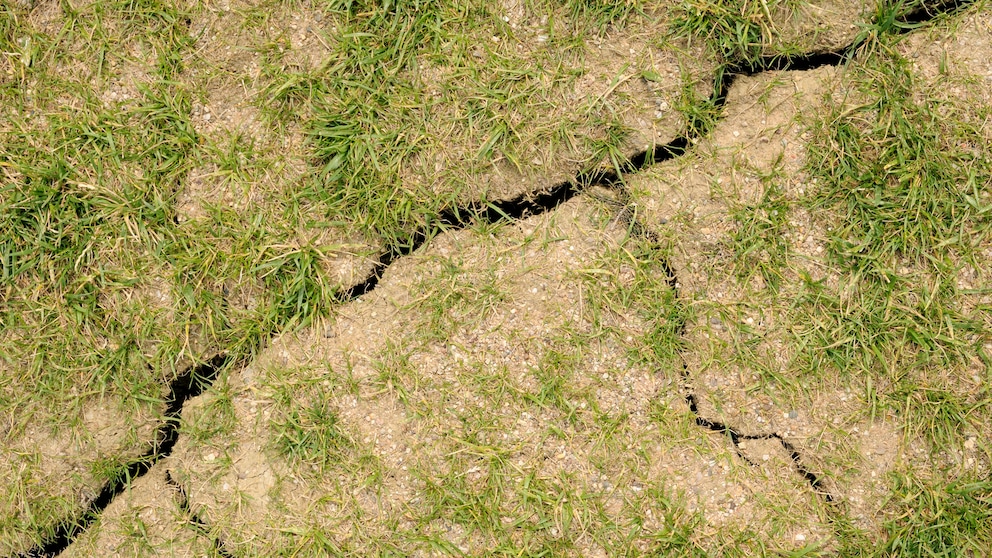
{"x": 361, "y": 144}
{"x": 456, "y": 296}
{"x": 731, "y": 31}
{"x": 901, "y": 190}
{"x": 85, "y": 208}
{"x": 701, "y": 113}
{"x": 901, "y": 173}
{"x": 162, "y": 23}
{"x": 677, "y": 533}
{"x": 939, "y": 415}
{"x": 473, "y": 502}
{"x": 217, "y": 418}
{"x": 395, "y": 374}
{"x": 554, "y": 375}
{"x": 908, "y": 198}
{"x": 63, "y": 201}
{"x": 534, "y": 514}
{"x": 135, "y": 532}
{"x": 935, "y": 518}
{"x": 365, "y": 113}
{"x": 888, "y": 20}
{"x": 298, "y": 280}
{"x": 30, "y": 514}
{"x": 307, "y": 431}
{"x": 758, "y": 240}
{"x": 413, "y": 109}
{"x": 636, "y": 278}
{"x": 602, "y": 13}
{"x": 735, "y": 30}
{"x": 879, "y": 328}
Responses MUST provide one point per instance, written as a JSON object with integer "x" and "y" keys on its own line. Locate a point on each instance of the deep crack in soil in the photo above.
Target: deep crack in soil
{"x": 192, "y": 382}
{"x": 187, "y": 385}
{"x": 690, "y": 398}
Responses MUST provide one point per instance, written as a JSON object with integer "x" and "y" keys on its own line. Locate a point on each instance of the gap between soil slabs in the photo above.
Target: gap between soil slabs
{"x": 194, "y": 380}
{"x": 187, "y": 385}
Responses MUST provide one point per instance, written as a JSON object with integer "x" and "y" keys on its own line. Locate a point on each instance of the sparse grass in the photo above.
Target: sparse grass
{"x": 758, "y": 240}
{"x": 395, "y": 374}
{"x": 218, "y": 417}
{"x": 903, "y": 191}
{"x": 555, "y": 381}
{"x": 739, "y": 32}
{"x": 455, "y": 296}
{"x": 635, "y": 279}
{"x": 935, "y": 517}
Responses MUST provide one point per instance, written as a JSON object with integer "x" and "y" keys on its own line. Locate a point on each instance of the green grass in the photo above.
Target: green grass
{"x": 939, "y": 518}
{"x": 634, "y": 279}
{"x": 757, "y": 241}
{"x": 901, "y": 176}
{"x": 311, "y": 435}
{"x": 455, "y": 296}
{"x": 906, "y": 177}
{"x": 408, "y": 87}
{"x": 905, "y": 189}
{"x": 740, "y": 31}
{"x": 555, "y": 379}
{"x": 732, "y": 30}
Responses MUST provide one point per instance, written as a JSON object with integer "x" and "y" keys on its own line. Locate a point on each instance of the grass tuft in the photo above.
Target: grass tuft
{"x": 940, "y": 518}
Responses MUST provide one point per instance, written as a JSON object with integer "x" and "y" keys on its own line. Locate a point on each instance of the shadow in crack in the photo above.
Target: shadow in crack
{"x": 628, "y": 216}
{"x": 184, "y": 387}
{"x": 529, "y": 204}
{"x": 736, "y": 438}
